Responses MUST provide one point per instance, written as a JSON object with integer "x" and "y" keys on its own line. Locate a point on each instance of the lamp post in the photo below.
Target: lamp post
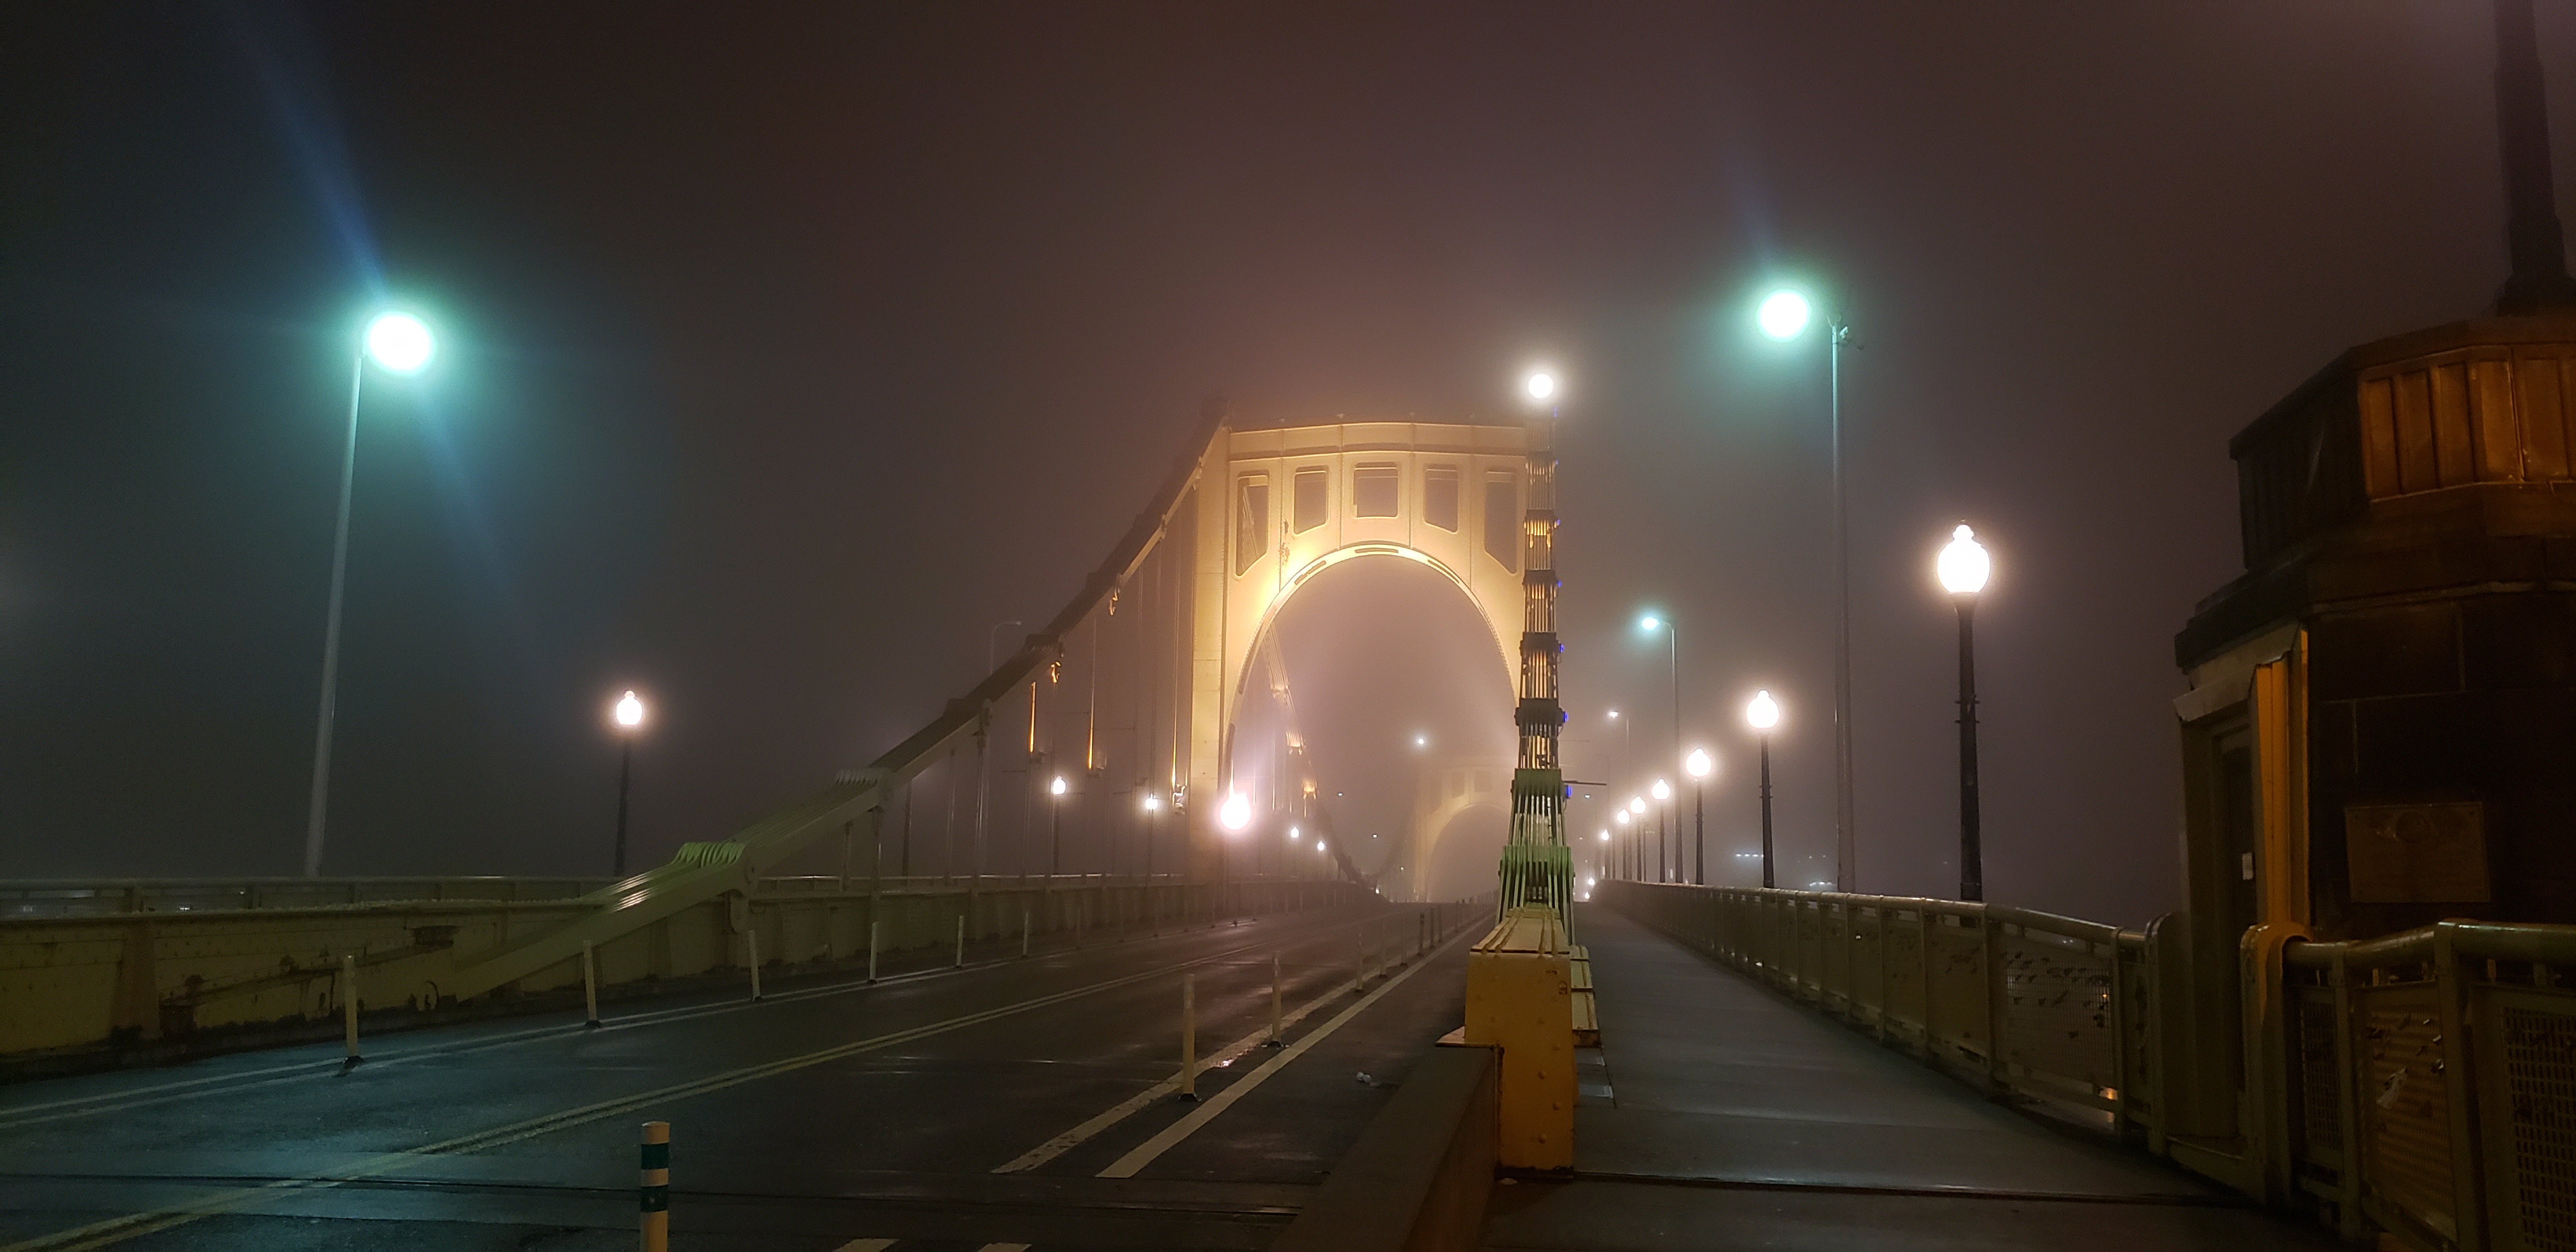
{"x": 1637, "y": 837}
{"x": 1622, "y": 851}
{"x": 1056, "y": 790}
{"x": 1784, "y": 316}
{"x": 629, "y": 716}
{"x": 1153, "y": 805}
{"x": 1764, "y": 713}
{"x": 1234, "y": 815}
{"x": 1699, "y": 765}
{"x": 984, "y": 755}
{"x": 1963, "y": 567}
{"x": 1663, "y": 804}
{"x": 398, "y": 343}
{"x": 1650, "y": 623}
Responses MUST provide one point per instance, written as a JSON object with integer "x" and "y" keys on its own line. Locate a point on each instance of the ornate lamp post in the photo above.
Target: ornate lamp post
{"x": 629, "y": 716}
{"x": 1699, "y": 766}
{"x": 1764, "y": 713}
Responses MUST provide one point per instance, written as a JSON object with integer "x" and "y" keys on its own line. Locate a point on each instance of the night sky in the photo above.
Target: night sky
{"x": 787, "y": 348}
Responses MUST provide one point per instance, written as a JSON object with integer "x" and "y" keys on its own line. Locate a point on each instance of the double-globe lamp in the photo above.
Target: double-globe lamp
{"x": 1762, "y": 713}
{"x": 1963, "y": 567}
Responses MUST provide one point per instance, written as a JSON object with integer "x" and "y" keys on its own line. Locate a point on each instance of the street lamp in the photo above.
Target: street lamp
{"x": 1055, "y": 828}
{"x": 1764, "y": 713}
{"x": 1784, "y": 315}
{"x": 1963, "y": 567}
{"x": 629, "y": 716}
{"x": 1539, "y": 386}
{"x": 399, "y": 343}
{"x": 1699, "y": 765}
{"x": 1153, "y": 805}
{"x": 1625, "y": 854}
{"x": 1650, "y": 623}
{"x": 1663, "y": 796}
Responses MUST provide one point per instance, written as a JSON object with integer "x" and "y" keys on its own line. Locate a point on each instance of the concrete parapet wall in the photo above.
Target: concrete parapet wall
{"x": 88, "y": 988}
{"x": 1418, "y": 1178}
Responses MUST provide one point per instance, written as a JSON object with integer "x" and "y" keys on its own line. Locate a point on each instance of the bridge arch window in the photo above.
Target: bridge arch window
{"x": 1251, "y": 519}
{"x": 1440, "y": 496}
{"x": 1313, "y": 498}
{"x": 1503, "y": 517}
{"x": 1373, "y": 491}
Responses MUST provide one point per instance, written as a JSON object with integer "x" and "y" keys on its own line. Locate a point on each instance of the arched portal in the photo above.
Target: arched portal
{"x": 1277, "y": 506}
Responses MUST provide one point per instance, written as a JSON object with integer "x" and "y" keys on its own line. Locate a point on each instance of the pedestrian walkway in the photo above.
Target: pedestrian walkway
{"x": 1719, "y": 1115}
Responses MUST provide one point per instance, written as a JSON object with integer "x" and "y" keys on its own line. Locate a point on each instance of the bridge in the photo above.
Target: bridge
{"x": 1165, "y": 1030}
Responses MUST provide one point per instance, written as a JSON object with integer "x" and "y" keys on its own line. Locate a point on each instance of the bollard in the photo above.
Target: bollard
{"x": 1359, "y": 958}
{"x": 653, "y": 1197}
{"x": 752, "y": 938}
{"x": 1024, "y": 932}
{"x": 872, "y": 949}
{"x": 961, "y": 943}
{"x": 1189, "y": 1037}
{"x": 349, "y": 1010}
{"x": 589, "y": 988}
{"x": 1275, "y": 1041}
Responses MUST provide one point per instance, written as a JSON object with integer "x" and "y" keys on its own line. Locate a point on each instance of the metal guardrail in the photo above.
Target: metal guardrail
{"x": 97, "y": 897}
{"x": 2047, "y": 1007}
{"x": 2422, "y": 1084}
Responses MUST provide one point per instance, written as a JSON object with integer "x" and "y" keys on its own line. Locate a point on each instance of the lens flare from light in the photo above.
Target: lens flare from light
{"x": 400, "y": 342}
{"x": 1784, "y": 315}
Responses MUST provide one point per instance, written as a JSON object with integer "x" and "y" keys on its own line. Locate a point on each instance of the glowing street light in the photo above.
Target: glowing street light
{"x": 1663, "y": 793}
{"x": 1763, "y": 713}
{"x": 1627, "y": 841}
{"x": 628, "y": 714}
{"x": 1422, "y": 741}
{"x": 1236, "y": 812}
{"x": 1153, "y": 805}
{"x": 1056, "y": 790}
{"x": 399, "y": 343}
{"x": 1539, "y": 386}
{"x": 1785, "y": 315}
{"x": 1963, "y": 567}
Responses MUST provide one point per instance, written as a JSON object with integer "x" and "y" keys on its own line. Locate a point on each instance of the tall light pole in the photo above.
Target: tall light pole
{"x": 1764, "y": 713}
{"x": 1234, "y": 815}
{"x": 1784, "y": 316}
{"x": 1153, "y": 805}
{"x": 629, "y": 716}
{"x": 1699, "y": 766}
{"x": 984, "y": 755}
{"x": 1963, "y": 567}
{"x": 398, "y": 343}
{"x": 1623, "y": 852}
{"x": 1650, "y": 623}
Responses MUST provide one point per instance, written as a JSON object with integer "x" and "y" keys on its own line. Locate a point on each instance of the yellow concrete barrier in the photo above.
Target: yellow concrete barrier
{"x": 1520, "y": 999}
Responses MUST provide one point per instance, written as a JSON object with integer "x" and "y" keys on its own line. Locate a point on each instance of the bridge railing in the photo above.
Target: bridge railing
{"x": 2422, "y": 1085}
{"x": 2050, "y": 1008}
{"x": 100, "y": 896}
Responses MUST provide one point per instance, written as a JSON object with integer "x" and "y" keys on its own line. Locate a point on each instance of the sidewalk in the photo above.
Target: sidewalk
{"x": 1730, "y": 1118}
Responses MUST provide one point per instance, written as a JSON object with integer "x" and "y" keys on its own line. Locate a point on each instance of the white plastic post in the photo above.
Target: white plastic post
{"x": 349, "y": 1007}
{"x": 589, "y": 988}
{"x": 653, "y": 1197}
{"x": 751, "y": 938}
{"x": 1189, "y": 1036}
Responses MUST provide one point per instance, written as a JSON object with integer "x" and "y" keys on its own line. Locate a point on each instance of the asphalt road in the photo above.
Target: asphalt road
{"x": 1018, "y": 1102}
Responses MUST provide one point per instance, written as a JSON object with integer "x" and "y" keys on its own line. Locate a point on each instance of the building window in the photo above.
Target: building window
{"x": 1313, "y": 487}
{"x": 1503, "y": 518}
{"x": 1373, "y": 491}
{"x": 1440, "y": 496}
{"x": 1251, "y": 519}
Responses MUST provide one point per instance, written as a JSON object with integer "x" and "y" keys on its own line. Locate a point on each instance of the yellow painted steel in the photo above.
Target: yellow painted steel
{"x": 1520, "y": 998}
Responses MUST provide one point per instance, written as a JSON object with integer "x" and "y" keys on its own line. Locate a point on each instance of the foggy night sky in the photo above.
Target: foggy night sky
{"x": 786, "y": 348}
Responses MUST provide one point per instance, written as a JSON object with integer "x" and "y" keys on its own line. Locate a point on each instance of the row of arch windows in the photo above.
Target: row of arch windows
{"x": 1375, "y": 491}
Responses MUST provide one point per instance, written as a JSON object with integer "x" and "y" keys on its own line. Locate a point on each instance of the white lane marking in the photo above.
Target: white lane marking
{"x": 1147, "y": 1098}
{"x": 247, "y": 1080}
{"x": 1144, "y": 1153}
{"x": 865, "y": 1245}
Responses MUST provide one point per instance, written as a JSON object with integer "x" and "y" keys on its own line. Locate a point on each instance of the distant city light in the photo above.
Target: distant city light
{"x": 1784, "y": 315}
{"x": 400, "y": 342}
{"x": 1422, "y": 741}
{"x": 1153, "y": 803}
{"x": 1605, "y": 834}
{"x": 1292, "y": 834}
